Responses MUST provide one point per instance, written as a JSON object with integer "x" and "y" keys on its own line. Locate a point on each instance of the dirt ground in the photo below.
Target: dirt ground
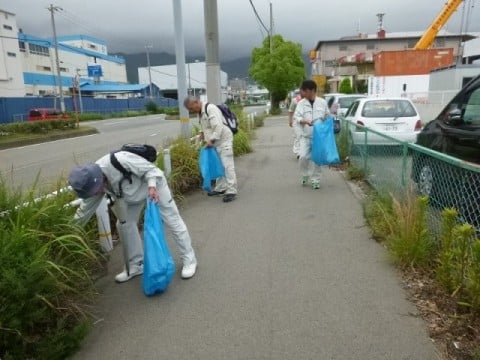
{"x": 452, "y": 326}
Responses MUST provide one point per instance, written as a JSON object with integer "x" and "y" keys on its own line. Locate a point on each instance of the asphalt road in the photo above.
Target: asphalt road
{"x": 53, "y": 160}
{"x": 285, "y": 272}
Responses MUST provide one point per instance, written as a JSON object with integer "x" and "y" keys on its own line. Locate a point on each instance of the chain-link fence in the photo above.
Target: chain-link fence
{"x": 398, "y": 167}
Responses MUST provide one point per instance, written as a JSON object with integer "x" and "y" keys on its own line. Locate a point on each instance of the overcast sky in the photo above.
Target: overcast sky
{"x": 127, "y": 26}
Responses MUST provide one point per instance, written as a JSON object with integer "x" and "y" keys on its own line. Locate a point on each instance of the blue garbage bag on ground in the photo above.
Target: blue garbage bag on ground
{"x": 324, "y": 147}
{"x": 158, "y": 264}
{"x": 210, "y": 166}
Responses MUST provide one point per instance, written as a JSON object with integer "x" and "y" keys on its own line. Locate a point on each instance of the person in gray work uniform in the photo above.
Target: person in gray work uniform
{"x": 217, "y": 135}
{"x": 92, "y": 181}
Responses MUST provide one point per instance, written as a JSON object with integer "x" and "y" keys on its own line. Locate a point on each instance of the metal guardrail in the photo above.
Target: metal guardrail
{"x": 400, "y": 167}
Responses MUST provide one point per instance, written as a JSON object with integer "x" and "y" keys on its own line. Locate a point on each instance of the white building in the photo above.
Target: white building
{"x": 28, "y": 63}
{"x": 11, "y": 69}
{"x": 165, "y": 78}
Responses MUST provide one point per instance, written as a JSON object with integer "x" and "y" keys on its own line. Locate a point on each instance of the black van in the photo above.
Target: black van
{"x": 453, "y": 181}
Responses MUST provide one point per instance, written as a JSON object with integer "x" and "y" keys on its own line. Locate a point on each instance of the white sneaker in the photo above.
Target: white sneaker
{"x": 189, "y": 270}
{"x": 135, "y": 270}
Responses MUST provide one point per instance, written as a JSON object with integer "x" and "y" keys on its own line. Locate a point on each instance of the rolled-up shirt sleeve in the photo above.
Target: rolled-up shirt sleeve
{"x": 87, "y": 208}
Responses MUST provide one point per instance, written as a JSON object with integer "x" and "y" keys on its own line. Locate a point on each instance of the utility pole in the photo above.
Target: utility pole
{"x": 271, "y": 46}
{"x": 212, "y": 60}
{"x": 79, "y": 90}
{"x": 148, "y": 47}
{"x": 52, "y": 9}
{"x": 271, "y": 28}
{"x": 181, "y": 76}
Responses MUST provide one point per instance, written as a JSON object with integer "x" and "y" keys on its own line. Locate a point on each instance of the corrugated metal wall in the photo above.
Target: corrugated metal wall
{"x": 16, "y": 109}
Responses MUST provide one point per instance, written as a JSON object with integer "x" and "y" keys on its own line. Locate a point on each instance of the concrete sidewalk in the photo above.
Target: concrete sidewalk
{"x": 285, "y": 272}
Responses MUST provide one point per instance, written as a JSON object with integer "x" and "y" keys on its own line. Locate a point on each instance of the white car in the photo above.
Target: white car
{"x": 395, "y": 117}
{"x": 338, "y": 104}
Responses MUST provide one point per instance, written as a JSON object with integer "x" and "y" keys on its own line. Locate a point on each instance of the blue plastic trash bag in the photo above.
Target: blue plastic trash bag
{"x": 324, "y": 148}
{"x": 158, "y": 264}
{"x": 210, "y": 166}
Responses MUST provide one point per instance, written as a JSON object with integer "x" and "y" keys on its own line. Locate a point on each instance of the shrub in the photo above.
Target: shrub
{"x": 410, "y": 242}
{"x": 345, "y": 86}
{"x": 185, "y": 175}
{"x": 152, "y": 107}
{"x": 378, "y": 210}
{"x": 355, "y": 173}
{"x": 343, "y": 144}
{"x": 241, "y": 143}
{"x": 259, "y": 120}
{"x": 46, "y": 285}
{"x": 473, "y": 277}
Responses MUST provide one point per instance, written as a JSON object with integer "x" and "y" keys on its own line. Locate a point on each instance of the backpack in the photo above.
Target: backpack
{"x": 229, "y": 117}
{"x": 148, "y": 152}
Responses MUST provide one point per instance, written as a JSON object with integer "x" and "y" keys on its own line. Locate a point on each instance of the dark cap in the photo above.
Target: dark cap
{"x": 86, "y": 180}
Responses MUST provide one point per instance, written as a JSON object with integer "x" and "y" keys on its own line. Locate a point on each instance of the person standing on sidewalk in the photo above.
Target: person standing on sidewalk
{"x": 310, "y": 109}
{"x": 92, "y": 181}
{"x": 294, "y": 126}
{"x": 218, "y": 135}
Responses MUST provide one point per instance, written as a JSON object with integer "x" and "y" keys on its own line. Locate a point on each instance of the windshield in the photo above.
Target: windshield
{"x": 345, "y": 102}
{"x": 388, "y": 108}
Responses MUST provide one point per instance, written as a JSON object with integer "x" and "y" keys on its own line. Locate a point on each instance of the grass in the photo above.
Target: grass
{"x": 47, "y": 264}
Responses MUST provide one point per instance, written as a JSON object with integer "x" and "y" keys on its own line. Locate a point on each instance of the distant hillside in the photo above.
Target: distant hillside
{"x": 237, "y": 68}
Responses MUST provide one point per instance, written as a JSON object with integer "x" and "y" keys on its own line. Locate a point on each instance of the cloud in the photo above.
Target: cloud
{"x": 128, "y": 26}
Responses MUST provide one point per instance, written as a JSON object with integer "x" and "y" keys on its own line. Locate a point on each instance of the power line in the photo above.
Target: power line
{"x": 258, "y": 17}
{"x": 90, "y": 29}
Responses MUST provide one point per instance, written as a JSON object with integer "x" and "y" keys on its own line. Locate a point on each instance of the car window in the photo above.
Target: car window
{"x": 330, "y": 101}
{"x": 345, "y": 102}
{"x": 35, "y": 113}
{"x": 471, "y": 115}
{"x": 352, "y": 109}
{"x": 388, "y": 108}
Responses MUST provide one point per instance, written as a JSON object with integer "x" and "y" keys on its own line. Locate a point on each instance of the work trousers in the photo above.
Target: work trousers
{"x": 227, "y": 183}
{"x": 127, "y": 226}
{"x": 307, "y": 166}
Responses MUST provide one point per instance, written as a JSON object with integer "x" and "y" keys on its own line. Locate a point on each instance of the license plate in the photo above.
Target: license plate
{"x": 391, "y": 127}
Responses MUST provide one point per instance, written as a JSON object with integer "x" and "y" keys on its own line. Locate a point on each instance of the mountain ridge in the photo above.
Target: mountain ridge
{"x": 235, "y": 68}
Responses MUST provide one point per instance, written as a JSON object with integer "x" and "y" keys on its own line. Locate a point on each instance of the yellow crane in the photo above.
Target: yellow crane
{"x": 428, "y": 37}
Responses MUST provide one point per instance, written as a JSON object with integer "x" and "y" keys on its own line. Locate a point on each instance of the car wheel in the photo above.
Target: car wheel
{"x": 425, "y": 181}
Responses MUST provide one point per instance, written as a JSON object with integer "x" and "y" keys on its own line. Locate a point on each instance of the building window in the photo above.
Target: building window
{"x": 439, "y": 42}
{"x": 411, "y": 43}
{"x": 371, "y": 46}
{"x": 21, "y": 45}
{"x": 62, "y": 69}
{"x": 43, "y": 68}
{"x": 342, "y": 47}
{"x": 39, "y": 50}
{"x": 7, "y": 27}
{"x": 11, "y": 54}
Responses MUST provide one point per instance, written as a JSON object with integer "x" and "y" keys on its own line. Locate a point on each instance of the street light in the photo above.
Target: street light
{"x": 147, "y": 47}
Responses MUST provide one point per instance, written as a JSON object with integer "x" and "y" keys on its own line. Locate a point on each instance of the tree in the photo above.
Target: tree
{"x": 279, "y": 69}
{"x": 345, "y": 86}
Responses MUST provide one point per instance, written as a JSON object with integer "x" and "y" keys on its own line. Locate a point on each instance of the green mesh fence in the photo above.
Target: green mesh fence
{"x": 397, "y": 167}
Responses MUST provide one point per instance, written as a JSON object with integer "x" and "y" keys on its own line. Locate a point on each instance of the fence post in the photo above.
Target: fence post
{"x": 365, "y": 157}
{"x": 404, "y": 163}
{"x": 167, "y": 162}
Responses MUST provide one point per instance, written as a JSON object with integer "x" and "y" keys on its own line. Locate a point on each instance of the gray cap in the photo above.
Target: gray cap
{"x": 86, "y": 180}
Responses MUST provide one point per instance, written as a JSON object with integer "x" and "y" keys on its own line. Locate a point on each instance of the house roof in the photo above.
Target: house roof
{"x": 65, "y": 47}
{"x": 113, "y": 88}
{"x": 392, "y": 36}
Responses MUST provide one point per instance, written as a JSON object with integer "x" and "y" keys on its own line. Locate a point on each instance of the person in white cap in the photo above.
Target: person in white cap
{"x": 92, "y": 181}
